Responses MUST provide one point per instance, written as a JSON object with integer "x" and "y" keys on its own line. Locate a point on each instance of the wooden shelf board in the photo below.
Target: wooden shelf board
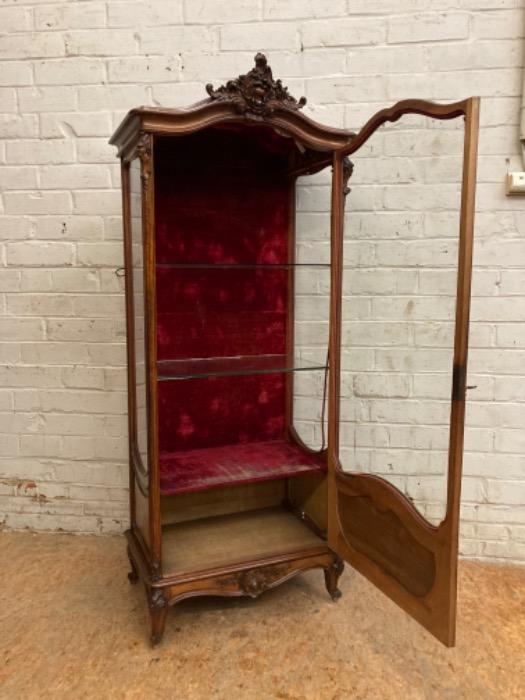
{"x": 225, "y": 540}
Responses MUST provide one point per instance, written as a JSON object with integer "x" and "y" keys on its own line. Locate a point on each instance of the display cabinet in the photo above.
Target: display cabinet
{"x": 230, "y": 493}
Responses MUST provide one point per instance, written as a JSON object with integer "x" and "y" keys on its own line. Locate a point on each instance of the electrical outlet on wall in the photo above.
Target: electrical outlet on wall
{"x": 515, "y": 183}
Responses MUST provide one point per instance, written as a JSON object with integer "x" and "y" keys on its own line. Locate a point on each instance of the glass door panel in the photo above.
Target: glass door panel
{"x": 399, "y": 295}
{"x": 402, "y": 322}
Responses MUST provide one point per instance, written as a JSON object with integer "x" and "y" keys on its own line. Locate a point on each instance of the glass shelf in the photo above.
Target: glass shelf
{"x": 201, "y": 367}
{"x": 239, "y": 266}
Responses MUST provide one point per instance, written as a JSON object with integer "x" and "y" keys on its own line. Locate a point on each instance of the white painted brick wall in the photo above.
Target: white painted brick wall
{"x": 70, "y": 70}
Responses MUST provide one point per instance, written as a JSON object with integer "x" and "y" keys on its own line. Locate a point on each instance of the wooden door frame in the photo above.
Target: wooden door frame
{"x": 432, "y": 600}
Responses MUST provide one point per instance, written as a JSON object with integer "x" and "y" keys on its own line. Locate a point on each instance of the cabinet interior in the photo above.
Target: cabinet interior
{"x": 254, "y": 520}
{"x": 225, "y": 273}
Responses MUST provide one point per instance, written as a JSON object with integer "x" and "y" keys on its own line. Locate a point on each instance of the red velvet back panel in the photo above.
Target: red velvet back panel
{"x": 220, "y": 411}
{"x": 220, "y": 312}
{"x": 221, "y": 198}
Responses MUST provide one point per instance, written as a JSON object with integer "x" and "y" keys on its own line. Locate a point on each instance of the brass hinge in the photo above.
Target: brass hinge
{"x": 459, "y": 381}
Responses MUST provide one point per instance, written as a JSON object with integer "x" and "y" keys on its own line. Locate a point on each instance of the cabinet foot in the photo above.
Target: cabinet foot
{"x": 133, "y": 575}
{"x": 158, "y": 608}
{"x": 331, "y": 578}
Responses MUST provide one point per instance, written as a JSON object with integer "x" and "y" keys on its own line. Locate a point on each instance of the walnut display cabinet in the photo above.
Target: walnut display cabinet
{"x": 228, "y": 496}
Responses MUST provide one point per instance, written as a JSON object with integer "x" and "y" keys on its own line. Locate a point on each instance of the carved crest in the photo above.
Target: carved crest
{"x": 255, "y": 581}
{"x": 256, "y": 92}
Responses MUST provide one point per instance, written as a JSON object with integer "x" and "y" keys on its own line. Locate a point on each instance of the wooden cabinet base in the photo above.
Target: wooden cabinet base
{"x": 246, "y": 579}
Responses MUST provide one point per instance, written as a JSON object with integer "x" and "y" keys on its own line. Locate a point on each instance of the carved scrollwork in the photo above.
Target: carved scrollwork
{"x": 256, "y": 93}
{"x": 144, "y": 146}
{"x": 144, "y": 153}
{"x": 157, "y": 600}
{"x": 158, "y": 608}
{"x": 255, "y": 581}
{"x": 348, "y": 169}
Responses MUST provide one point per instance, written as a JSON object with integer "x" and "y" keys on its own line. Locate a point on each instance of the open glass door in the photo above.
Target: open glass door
{"x": 398, "y": 352}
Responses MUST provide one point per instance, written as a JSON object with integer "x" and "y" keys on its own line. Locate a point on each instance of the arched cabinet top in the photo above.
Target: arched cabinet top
{"x": 251, "y": 99}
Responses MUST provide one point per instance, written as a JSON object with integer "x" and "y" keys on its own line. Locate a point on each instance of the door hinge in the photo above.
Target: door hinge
{"x": 459, "y": 381}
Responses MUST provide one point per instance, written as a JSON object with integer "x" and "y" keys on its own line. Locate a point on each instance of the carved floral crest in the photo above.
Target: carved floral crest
{"x": 256, "y": 92}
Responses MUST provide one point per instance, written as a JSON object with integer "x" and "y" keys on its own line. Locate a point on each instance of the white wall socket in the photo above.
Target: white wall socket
{"x": 515, "y": 183}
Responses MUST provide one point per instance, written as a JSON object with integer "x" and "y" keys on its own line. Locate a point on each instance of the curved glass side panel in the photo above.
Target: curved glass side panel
{"x": 311, "y": 307}
{"x": 137, "y": 257}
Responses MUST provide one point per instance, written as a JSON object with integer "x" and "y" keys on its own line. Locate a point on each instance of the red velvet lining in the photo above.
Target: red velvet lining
{"x": 222, "y": 198}
{"x": 195, "y": 413}
{"x": 198, "y": 470}
{"x": 222, "y": 312}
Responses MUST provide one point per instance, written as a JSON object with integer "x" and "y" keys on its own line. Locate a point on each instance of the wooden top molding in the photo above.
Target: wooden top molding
{"x": 434, "y": 110}
{"x": 253, "y": 98}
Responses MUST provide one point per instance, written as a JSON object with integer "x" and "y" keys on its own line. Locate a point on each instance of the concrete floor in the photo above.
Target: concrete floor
{"x": 72, "y": 627}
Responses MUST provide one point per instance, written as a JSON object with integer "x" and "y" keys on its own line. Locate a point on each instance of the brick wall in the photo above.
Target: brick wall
{"x": 68, "y": 73}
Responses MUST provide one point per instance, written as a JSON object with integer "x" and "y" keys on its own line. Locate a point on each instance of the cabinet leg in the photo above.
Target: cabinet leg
{"x": 133, "y": 575}
{"x": 158, "y": 608}
{"x": 331, "y": 577}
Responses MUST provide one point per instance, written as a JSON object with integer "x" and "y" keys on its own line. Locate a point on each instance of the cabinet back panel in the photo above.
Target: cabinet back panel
{"x": 222, "y": 501}
{"x": 216, "y": 411}
{"x": 220, "y": 312}
{"x": 221, "y": 198}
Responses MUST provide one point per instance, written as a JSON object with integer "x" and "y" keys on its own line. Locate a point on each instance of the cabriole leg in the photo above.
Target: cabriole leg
{"x": 331, "y": 577}
{"x": 133, "y": 575}
{"x": 158, "y": 608}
